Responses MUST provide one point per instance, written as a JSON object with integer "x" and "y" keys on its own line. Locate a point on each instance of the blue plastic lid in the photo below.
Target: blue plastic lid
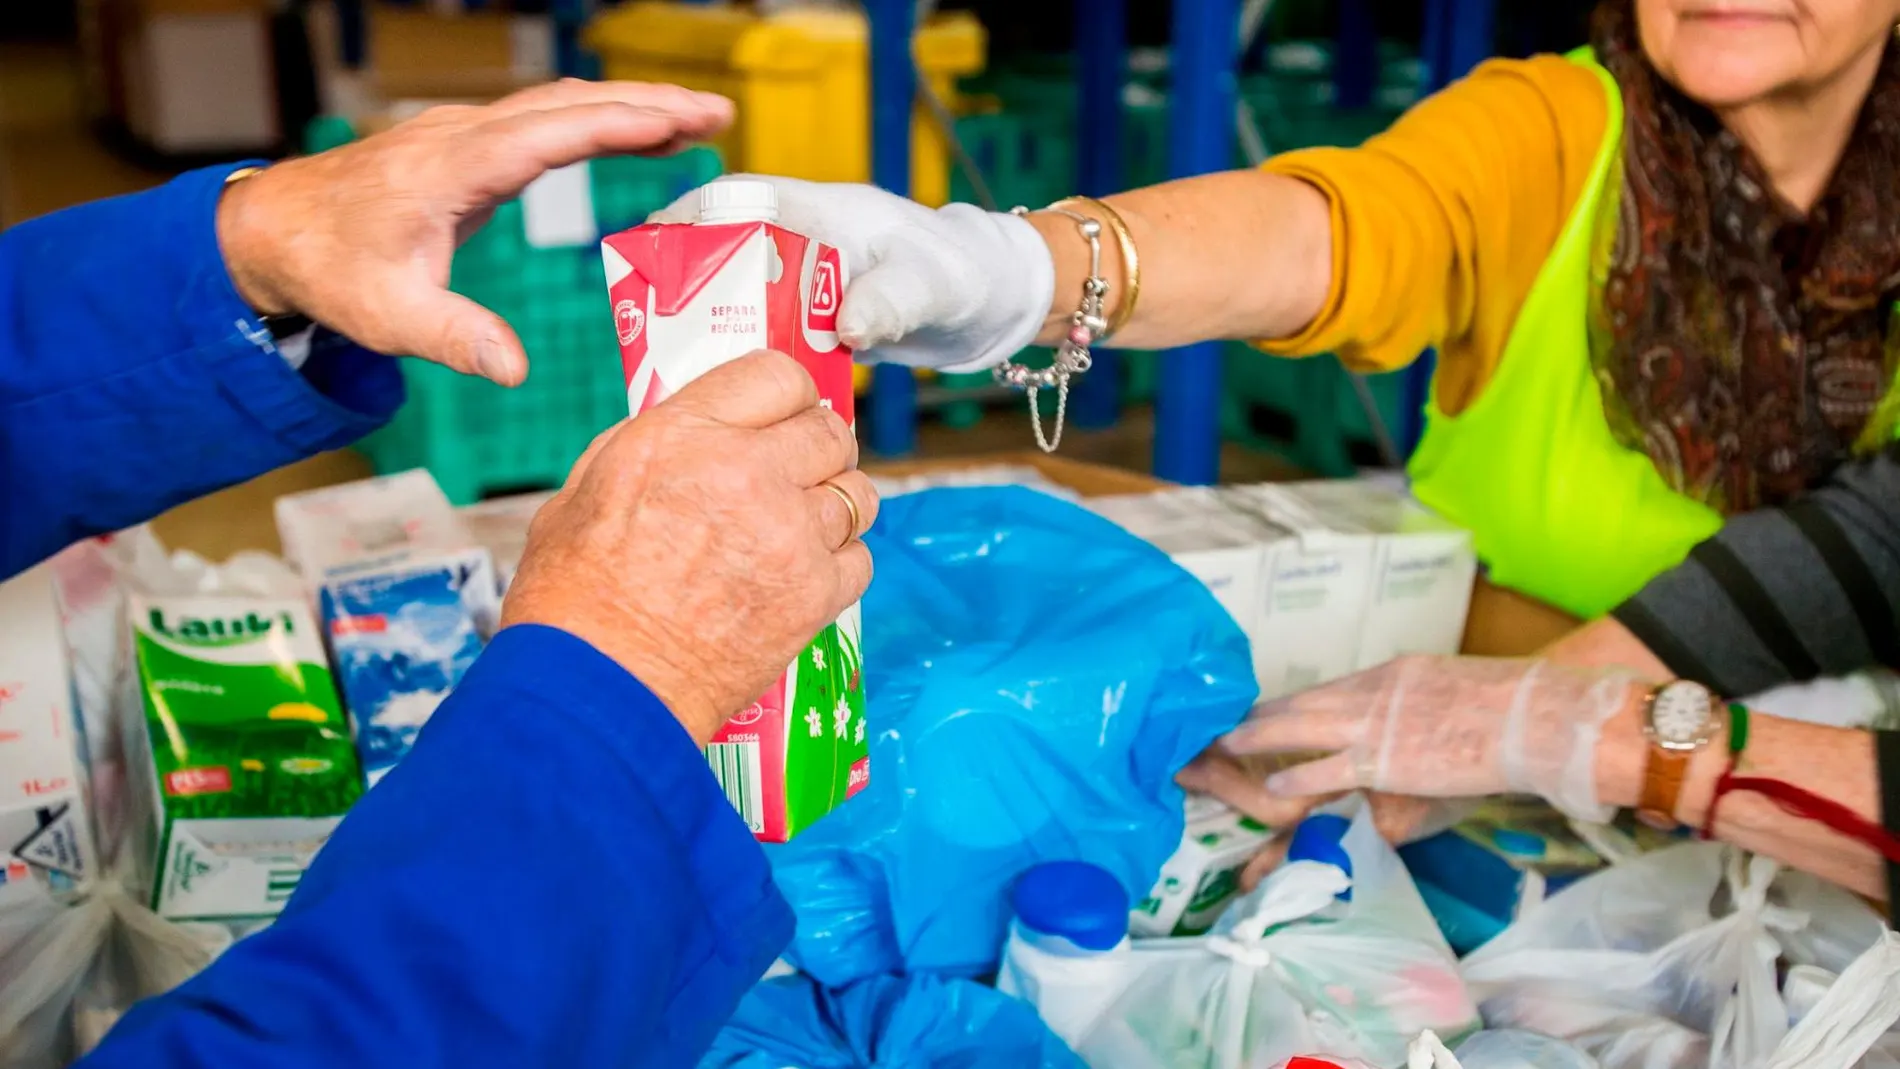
{"x": 1080, "y": 902}
{"x": 1318, "y": 839}
{"x": 1519, "y": 843}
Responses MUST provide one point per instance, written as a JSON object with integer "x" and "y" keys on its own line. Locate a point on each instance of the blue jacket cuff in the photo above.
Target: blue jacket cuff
{"x": 344, "y": 391}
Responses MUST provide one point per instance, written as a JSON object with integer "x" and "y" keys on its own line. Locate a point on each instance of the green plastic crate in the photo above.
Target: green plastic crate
{"x": 1319, "y": 422}
{"x": 478, "y": 438}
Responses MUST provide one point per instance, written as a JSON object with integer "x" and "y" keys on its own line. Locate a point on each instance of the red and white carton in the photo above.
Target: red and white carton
{"x": 687, "y": 298}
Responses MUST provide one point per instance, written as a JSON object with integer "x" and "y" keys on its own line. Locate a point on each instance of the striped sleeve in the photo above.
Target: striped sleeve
{"x": 1785, "y": 595}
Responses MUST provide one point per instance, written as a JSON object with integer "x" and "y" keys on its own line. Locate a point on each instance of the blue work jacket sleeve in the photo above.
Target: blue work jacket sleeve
{"x": 551, "y": 878}
{"x": 133, "y": 377}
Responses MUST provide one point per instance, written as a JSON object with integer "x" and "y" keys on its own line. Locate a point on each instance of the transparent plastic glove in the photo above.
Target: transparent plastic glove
{"x": 956, "y": 288}
{"x": 1444, "y": 727}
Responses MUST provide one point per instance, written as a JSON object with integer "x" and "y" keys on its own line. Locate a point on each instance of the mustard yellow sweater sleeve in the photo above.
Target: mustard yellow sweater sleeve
{"x": 1441, "y": 223}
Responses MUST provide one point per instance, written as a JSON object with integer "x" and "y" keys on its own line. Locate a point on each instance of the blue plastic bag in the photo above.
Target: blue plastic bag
{"x": 886, "y": 1022}
{"x": 1034, "y": 677}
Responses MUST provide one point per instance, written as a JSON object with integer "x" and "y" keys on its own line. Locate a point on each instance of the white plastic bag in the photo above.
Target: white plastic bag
{"x": 1853, "y": 1019}
{"x": 143, "y": 955}
{"x": 1290, "y": 969}
{"x": 1669, "y": 961}
{"x": 70, "y": 968}
{"x": 48, "y": 947}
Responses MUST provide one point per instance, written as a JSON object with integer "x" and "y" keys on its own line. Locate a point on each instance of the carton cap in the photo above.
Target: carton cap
{"x": 1073, "y": 900}
{"x": 738, "y": 201}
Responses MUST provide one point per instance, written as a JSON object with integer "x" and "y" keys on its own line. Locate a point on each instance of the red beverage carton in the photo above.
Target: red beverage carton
{"x": 687, "y": 298}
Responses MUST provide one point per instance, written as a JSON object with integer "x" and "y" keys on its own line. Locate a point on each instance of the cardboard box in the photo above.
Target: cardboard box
{"x": 1203, "y": 876}
{"x": 1313, "y": 598}
{"x": 46, "y": 832}
{"x": 199, "y": 79}
{"x": 419, "y": 54}
{"x": 1422, "y": 566}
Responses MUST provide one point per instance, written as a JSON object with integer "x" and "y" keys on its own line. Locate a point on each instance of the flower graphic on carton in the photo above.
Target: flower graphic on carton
{"x": 815, "y": 722}
{"x": 841, "y": 718}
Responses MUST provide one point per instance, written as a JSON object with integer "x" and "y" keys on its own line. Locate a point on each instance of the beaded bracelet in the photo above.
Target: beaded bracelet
{"x": 1086, "y": 326}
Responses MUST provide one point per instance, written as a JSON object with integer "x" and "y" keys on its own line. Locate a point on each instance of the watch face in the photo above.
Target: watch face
{"x": 1679, "y": 716}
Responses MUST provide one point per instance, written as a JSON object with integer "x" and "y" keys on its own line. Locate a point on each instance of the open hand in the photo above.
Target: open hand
{"x": 359, "y": 238}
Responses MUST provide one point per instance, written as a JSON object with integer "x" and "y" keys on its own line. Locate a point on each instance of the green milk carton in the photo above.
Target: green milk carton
{"x": 245, "y": 764}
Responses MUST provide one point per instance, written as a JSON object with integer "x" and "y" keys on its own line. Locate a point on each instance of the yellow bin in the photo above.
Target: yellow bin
{"x": 801, "y": 79}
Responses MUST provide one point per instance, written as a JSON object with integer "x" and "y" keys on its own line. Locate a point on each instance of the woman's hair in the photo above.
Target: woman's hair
{"x": 1743, "y": 347}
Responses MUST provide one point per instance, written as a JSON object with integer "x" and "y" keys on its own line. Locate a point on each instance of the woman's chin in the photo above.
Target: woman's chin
{"x": 1727, "y": 81}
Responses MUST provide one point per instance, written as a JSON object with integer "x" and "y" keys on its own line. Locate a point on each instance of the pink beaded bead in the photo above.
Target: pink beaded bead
{"x": 1079, "y": 337}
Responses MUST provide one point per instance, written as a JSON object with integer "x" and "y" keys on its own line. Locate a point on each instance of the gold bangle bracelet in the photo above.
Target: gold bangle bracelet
{"x": 1131, "y": 258}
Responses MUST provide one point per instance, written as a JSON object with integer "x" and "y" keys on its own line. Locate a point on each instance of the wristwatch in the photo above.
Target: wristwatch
{"x": 1679, "y": 719}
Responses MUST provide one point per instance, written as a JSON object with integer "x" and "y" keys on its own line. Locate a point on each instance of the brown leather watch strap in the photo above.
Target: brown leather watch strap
{"x": 1662, "y": 786}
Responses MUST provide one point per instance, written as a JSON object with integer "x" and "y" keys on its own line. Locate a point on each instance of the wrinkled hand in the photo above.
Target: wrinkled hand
{"x": 359, "y": 238}
{"x": 696, "y": 544}
{"x": 956, "y": 288}
{"x": 1444, "y": 727}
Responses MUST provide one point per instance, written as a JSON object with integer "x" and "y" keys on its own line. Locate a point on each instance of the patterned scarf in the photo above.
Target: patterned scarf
{"x": 1743, "y": 347}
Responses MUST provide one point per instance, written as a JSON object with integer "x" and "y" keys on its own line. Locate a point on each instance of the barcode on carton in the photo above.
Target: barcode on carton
{"x": 736, "y": 766}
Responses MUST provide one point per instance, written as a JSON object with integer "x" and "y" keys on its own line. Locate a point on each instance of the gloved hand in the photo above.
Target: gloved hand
{"x": 1444, "y": 727}
{"x": 957, "y": 288}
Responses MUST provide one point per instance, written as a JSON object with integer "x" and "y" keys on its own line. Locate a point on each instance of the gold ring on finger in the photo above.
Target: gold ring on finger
{"x": 850, "y": 505}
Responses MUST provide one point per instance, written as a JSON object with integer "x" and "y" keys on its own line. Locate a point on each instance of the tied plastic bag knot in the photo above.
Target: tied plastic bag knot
{"x": 1250, "y": 954}
{"x": 1670, "y": 960}
{"x": 1751, "y": 881}
{"x": 1294, "y": 892}
{"x": 1293, "y": 968}
{"x": 1430, "y": 1052}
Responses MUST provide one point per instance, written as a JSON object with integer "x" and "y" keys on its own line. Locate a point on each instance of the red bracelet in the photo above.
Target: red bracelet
{"x": 1796, "y": 801}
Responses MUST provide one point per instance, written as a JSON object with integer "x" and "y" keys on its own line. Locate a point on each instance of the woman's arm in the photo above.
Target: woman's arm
{"x": 1837, "y": 764}
{"x": 1467, "y": 727}
{"x": 1430, "y": 234}
{"x": 1779, "y": 595}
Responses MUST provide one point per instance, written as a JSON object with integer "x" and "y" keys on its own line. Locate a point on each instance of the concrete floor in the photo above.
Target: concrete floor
{"x": 49, "y": 160}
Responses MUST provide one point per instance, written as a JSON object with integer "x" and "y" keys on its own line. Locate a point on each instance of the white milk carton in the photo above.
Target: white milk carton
{"x": 1422, "y": 567}
{"x": 405, "y": 595}
{"x": 1313, "y": 601}
{"x": 402, "y": 635}
{"x": 46, "y": 835}
{"x": 1225, "y": 550}
{"x": 1203, "y": 876}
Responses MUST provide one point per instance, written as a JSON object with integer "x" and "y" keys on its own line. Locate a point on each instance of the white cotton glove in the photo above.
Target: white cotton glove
{"x": 1444, "y": 727}
{"x": 957, "y": 288}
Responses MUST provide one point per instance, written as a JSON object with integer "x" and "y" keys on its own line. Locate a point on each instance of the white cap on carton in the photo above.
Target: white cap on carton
{"x": 738, "y": 200}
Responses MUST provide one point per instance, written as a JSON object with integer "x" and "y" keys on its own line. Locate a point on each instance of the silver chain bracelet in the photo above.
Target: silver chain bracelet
{"x": 1087, "y": 325}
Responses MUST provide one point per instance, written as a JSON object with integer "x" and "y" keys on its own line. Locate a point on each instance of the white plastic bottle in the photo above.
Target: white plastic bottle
{"x": 1068, "y": 944}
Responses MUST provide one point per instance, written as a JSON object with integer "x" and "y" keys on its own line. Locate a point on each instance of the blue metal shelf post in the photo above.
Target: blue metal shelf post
{"x": 1458, "y": 36}
{"x": 1101, "y": 46}
{"x": 893, "y": 91}
{"x": 1200, "y": 141}
{"x": 1355, "y": 56}
{"x": 570, "y": 59}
